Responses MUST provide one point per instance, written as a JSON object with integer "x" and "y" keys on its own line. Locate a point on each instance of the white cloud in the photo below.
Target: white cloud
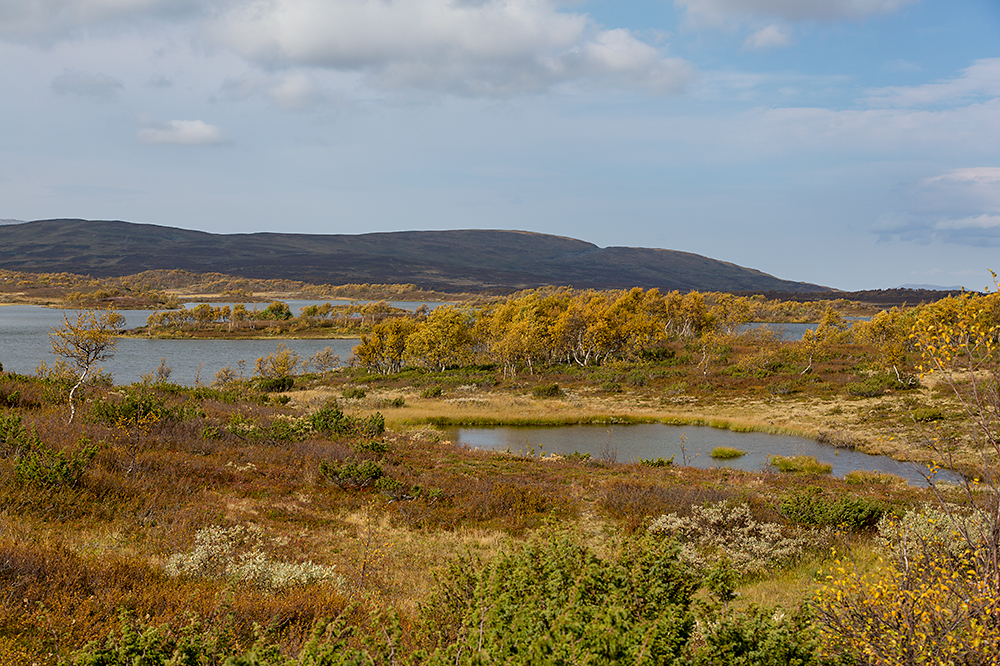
{"x": 481, "y": 48}
{"x": 768, "y": 37}
{"x": 182, "y": 132}
{"x": 464, "y": 47}
{"x": 84, "y": 84}
{"x": 979, "y": 80}
{"x": 721, "y": 13}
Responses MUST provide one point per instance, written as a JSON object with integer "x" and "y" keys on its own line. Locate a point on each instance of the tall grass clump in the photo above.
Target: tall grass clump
{"x": 801, "y": 465}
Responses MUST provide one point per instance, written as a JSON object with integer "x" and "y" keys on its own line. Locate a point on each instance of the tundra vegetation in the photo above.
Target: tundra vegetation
{"x": 310, "y": 514}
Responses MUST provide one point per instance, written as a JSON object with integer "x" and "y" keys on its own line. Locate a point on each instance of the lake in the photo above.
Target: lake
{"x": 24, "y": 341}
{"x": 692, "y": 444}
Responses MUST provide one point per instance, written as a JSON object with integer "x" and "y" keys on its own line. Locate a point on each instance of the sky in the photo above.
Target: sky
{"x": 849, "y": 143}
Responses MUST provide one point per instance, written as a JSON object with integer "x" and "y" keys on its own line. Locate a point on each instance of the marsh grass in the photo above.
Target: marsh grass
{"x": 800, "y": 465}
{"x": 72, "y": 557}
{"x": 726, "y": 453}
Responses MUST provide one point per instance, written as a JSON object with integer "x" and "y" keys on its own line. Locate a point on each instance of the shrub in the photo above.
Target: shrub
{"x": 42, "y": 466}
{"x": 729, "y": 531}
{"x": 801, "y": 465}
{"x": 554, "y": 601}
{"x": 236, "y": 554}
{"x": 138, "y": 405}
{"x": 809, "y": 506}
{"x": 431, "y": 392}
{"x": 274, "y": 384}
{"x": 546, "y": 391}
{"x": 726, "y": 453}
{"x": 657, "y": 462}
{"x": 15, "y": 439}
{"x": 928, "y": 604}
{"x": 877, "y": 385}
{"x": 352, "y": 475}
{"x": 372, "y": 446}
{"x": 353, "y": 393}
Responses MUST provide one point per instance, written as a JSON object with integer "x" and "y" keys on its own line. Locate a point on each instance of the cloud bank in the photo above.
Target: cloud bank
{"x": 490, "y": 48}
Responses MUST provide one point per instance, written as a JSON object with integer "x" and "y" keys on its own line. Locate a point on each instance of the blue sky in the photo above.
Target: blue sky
{"x": 851, "y": 143}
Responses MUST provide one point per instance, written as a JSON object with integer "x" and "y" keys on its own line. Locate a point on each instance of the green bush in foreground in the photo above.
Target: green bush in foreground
{"x": 551, "y": 601}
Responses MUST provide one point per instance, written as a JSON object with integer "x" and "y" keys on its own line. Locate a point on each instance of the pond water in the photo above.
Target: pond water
{"x": 689, "y": 445}
{"x": 24, "y": 341}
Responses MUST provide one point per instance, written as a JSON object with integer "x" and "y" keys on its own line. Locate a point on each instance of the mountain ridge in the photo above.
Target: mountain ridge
{"x": 466, "y": 259}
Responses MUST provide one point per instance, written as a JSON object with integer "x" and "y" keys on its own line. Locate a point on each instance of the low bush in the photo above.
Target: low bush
{"x": 236, "y": 554}
{"x": 546, "y": 391}
{"x": 431, "y": 392}
{"x": 51, "y": 468}
{"x": 274, "y": 384}
{"x": 352, "y": 475}
{"x": 809, "y": 506}
{"x": 554, "y": 601}
{"x": 726, "y": 453}
{"x": 657, "y": 462}
{"x": 729, "y": 530}
{"x": 353, "y": 393}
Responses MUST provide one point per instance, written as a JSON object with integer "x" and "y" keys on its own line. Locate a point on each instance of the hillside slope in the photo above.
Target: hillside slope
{"x": 467, "y": 260}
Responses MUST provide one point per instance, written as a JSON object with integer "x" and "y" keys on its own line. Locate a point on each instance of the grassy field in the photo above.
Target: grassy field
{"x": 168, "y": 463}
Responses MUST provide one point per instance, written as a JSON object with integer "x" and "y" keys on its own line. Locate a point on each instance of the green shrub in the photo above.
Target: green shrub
{"x": 330, "y": 420}
{"x": 352, "y": 475}
{"x": 657, "y": 462}
{"x": 431, "y": 392}
{"x": 353, "y": 393}
{"x": 809, "y": 506}
{"x": 274, "y": 384}
{"x": 15, "y": 439}
{"x": 546, "y": 391}
{"x": 801, "y": 465}
{"x": 726, "y": 453}
{"x": 372, "y": 446}
{"x": 877, "y": 385}
{"x": 139, "y": 405}
{"x": 553, "y": 601}
{"x": 50, "y": 468}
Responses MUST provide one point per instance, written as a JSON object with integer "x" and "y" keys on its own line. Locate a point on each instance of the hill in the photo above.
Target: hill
{"x": 464, "y": 260}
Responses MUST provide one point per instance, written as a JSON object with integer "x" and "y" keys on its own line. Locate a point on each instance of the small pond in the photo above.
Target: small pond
{"x": 690, "y": 445}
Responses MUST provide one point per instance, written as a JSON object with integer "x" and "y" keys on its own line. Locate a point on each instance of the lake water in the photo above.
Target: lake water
{"x": 24, "y": 341}
{"x": 690, "y": 443}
